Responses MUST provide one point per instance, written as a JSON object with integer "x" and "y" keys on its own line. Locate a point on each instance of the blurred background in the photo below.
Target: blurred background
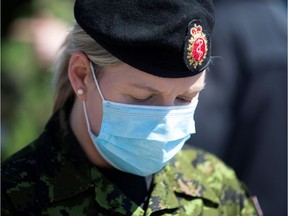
{"x": 242, "y": 112}
{"x": 31, "y": 33}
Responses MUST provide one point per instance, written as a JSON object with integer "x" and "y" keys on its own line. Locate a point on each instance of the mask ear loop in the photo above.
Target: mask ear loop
{"x": 86, "y": 116}
{"x": 96, "y": 82}
{"x": 84, "y": 102}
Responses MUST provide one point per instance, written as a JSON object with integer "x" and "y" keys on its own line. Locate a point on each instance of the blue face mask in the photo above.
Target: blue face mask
{"x": 141, "y": 139}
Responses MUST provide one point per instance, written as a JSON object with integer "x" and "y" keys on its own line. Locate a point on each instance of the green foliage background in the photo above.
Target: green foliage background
{"x": 26, "y": 85}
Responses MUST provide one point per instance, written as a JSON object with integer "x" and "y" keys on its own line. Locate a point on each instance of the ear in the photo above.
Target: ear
{"x": 79, "y": 68}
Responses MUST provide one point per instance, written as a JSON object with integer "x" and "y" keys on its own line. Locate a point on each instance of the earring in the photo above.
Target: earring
{"x": 80, "y": 91}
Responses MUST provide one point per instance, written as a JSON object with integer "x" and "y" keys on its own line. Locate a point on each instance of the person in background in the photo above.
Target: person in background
{"x": 126, "y": 89}
{"x": 242, "y": 114}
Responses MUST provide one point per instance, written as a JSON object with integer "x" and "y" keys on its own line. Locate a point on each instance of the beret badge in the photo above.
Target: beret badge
{"x": 196, "y": 48}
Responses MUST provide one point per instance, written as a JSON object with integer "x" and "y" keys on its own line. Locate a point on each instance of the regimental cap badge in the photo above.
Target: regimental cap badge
{"x": 197, "y": 47}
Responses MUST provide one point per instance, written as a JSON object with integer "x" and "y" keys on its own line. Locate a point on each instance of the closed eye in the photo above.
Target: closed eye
{"x": 182, "y": 100}
{"x": 141, "y": 99}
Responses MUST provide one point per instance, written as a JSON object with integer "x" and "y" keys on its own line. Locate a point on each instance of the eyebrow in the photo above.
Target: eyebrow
{"x": 194, "y": 89}
{"x": 197, "y": 88}
{"x": 148, "y": 88}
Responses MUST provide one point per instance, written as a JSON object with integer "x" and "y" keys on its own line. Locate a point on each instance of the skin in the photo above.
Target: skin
{"x": 123, "y": 84}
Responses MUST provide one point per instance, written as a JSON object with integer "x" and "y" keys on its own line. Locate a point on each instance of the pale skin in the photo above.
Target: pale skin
{"x": 123, "y": 84}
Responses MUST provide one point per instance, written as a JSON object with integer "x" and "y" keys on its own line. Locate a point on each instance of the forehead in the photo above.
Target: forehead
{"x": 123, "y": 74}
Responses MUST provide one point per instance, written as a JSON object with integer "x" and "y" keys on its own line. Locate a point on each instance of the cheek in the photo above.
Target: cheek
{"x": 109, "y": 91}
{"x": 94, "y": 109}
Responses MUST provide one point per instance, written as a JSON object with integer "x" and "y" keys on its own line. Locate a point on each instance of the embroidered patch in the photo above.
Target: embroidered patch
{"x": 196, "y": 47}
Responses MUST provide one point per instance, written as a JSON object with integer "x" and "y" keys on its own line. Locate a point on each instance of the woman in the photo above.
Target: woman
{"x": 127, "y": 86}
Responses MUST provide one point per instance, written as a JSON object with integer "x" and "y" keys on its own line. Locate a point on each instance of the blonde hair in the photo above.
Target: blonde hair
{"x": 77, "y": 40}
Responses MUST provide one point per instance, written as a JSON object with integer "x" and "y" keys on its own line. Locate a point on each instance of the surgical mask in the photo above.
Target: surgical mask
{"x": 141, "y": 139}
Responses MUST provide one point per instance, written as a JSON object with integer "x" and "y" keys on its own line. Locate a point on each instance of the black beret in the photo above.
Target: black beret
{"x": 166, "y": 38}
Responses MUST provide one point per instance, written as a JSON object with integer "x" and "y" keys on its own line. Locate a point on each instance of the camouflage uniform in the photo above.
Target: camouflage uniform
{"x": 52, "y": 176}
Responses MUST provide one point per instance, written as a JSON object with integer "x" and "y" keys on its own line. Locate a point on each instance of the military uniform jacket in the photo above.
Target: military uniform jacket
{"x": 52, "y": 176}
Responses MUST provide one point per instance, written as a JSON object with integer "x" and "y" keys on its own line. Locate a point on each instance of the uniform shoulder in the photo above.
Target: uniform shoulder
{"x": 19, "y": 176}
{"x": 19, "y": 169}
{"x": 213, "y": 173}
{"x": 203, "y": 175}
{"x": 205, "y": 162}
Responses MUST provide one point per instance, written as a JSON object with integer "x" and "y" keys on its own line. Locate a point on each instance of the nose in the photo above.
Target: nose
{"x": 165, "y": 101}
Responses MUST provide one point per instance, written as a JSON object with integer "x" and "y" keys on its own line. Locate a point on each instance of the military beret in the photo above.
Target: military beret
{"x": 166, "y": 38}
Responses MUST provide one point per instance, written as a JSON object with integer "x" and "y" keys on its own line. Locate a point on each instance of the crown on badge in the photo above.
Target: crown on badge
{"x": 197, "y": 29}
{"x": 197, "y": 48}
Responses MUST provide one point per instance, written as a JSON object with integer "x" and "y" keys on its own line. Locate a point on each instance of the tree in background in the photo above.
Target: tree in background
{"x": 32, "y": 31}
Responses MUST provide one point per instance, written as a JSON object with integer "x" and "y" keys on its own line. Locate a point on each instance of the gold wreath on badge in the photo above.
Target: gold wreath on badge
{"x": 197, "y": 49}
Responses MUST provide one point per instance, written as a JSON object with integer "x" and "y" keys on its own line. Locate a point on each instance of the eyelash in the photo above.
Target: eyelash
{"x": 182, "y": 100}
{"x": 141, "y": 99}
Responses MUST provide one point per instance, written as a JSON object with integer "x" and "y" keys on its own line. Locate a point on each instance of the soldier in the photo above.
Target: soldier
{"x": 126, "y": 89}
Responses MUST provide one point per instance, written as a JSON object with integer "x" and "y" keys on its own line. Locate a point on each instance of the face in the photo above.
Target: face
{"x": 125, "y": 84}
